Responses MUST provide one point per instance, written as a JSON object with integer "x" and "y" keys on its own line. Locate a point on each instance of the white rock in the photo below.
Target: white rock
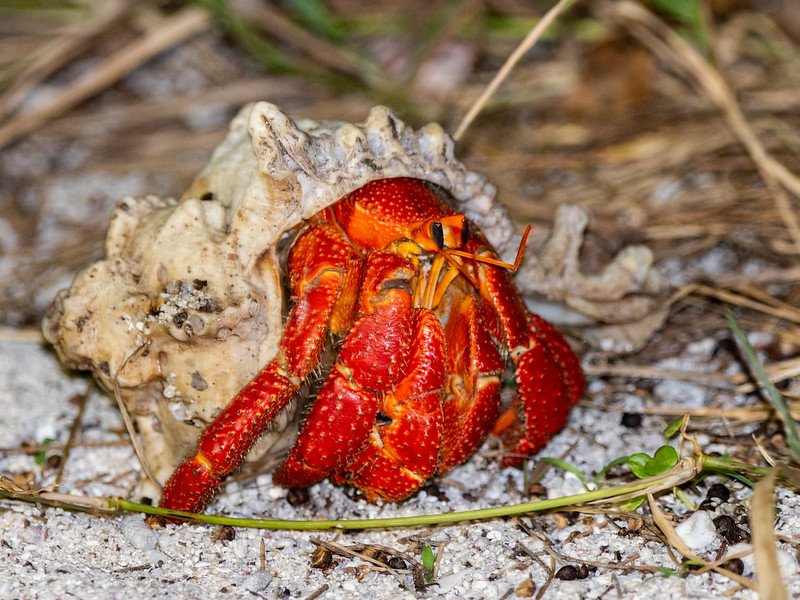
{"x": 697, "y": 531}
{"x": 138, "y": 533}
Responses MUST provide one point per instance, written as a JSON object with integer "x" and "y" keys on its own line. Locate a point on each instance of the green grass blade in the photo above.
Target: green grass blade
{"x": 770, "y": 391}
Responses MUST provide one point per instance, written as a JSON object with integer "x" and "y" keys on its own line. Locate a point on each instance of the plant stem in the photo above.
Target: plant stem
{"x": 416, "y": 520}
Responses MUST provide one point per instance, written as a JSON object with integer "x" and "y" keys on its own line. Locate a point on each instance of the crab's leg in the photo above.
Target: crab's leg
{"x": 321, "y": 264}
{"x": 403, "y": 444}
{"x": 473, "y": 398}
{"x": 549, "y": 378}
{"x": 371, "y": 361}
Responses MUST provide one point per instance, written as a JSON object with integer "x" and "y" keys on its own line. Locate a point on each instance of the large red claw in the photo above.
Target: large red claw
{"x": 473, "y": 398}
{"x": 403, "y": 446}
{"x": 338, "y": 425}
{"x": 224, "y": 444}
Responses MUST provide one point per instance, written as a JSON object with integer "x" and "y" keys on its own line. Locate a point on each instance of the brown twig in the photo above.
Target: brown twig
{"x": 665, "y": 526}
{"x": 45, "y": 447}
{"x": 360, "y": 551}
{"x": 184, "y": 24}
{"x": 126, "y": 418}
{"x": 318, "y": 592}
{"x": 58, "y": 52}
{"x": 73, "y": 432}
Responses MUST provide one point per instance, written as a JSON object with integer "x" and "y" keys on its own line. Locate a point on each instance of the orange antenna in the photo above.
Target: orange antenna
{"x": 448, "y": 253}
{"x": 496, "y": 262}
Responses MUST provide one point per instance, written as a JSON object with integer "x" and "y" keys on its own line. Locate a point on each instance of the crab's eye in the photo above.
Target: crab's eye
{"x": 437, "y": 233}
{"x": 465, "y": 233}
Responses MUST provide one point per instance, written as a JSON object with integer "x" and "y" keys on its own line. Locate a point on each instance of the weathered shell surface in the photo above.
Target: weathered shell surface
{"x": 187, "y": 305}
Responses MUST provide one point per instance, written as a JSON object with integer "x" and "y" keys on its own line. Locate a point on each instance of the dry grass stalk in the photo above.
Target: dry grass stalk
{"x": 73, "y": 434}
{"x": 653, "y": 32}
{"x": 773, "y": 307}
{"x": 60, "y": 51}
{"x": 126, "y": 417}
{"x": 762, "y": 516}
{"x": 743, "y": 414}
{"x": 184, "y": 24}
{"x": 325, "y": 53}
{"x": 526, "y": 44}
{"x": 739, "y": 383}
{"x": 674, "y": 539}
{"x": 26, "y": 335}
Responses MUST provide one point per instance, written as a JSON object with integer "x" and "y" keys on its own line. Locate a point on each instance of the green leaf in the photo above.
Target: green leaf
{"x": 768, "y": 388}
{"x": 41, "y": 456}
{"x": 738, "y": 476}
{"x": 664, "y": 459}
{"x": 428, "y": 561}
{"x": 315, "y": 15}
{"x": 688, "y": 18}
{"x": 631, "y": 504}
{"x": 671, "y": 430}
{"x": 686, "y": 12}
{"x": 637, "y": 464}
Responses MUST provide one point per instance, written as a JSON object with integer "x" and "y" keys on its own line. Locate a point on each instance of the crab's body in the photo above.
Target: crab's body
{"x": 429, "y": 319}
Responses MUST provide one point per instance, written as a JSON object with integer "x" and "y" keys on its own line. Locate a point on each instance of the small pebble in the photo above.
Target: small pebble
{"x": 257, "y": 582}
{"x": 631, "y": 420}
{"x": 724, "y": 525}
{"x": 728, "y": 529}
{"x": 526, "y": 588}
{"x": 298, "y": 496}
{"x": 226, "y": 533}
{"x": 570, "y": 573}
{"x": 718, "y": 490}
{"x": 698, "y": 531}
{"x": 734, "y": 565}
{"x": 138, "y": 534}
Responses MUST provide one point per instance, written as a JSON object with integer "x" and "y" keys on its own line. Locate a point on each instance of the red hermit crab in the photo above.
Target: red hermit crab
{"x": 383, "y": 242}
{"x": 429, "y": 320}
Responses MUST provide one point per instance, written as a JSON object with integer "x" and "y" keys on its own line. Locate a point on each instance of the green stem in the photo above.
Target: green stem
{"x": 725, "y": 465}
{"x": 391, "y": 522}
{"x": 684, "y": 471}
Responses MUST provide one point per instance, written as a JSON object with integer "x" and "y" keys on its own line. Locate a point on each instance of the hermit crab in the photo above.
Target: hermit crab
{"x": 349, "y": 287}
{"x": 428, "y": 315}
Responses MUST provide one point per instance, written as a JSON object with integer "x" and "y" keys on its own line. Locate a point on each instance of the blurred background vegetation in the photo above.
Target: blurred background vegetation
{"x": 99, "y": 99}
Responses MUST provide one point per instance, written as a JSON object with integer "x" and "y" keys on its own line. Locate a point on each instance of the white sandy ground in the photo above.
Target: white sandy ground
{"x": 49, "y": 553}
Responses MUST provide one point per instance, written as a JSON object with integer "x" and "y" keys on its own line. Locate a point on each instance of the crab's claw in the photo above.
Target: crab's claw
{"x": 549, "y": 383}
{"x": 548, "y": 373}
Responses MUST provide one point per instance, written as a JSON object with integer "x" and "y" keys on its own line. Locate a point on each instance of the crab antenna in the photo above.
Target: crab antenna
{"x": 448, "y": 253}
{"x": 493, "y": 261}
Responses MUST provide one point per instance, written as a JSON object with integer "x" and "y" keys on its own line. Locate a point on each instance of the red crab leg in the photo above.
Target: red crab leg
{"x": 321, "y": 261}
{"x": 404, "y": 442}
{"x": 548, "y": 374}
{"x": 369, "y": 363}
{"x": 473, "y": 399}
